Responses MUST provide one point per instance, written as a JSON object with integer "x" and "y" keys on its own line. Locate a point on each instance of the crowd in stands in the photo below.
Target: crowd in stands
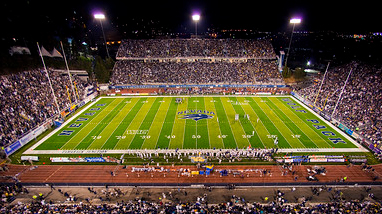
{"x": 139, "y": 72}
{"x": 26, "y": 101}
{"x": 360, "y": 107}
{"x": 195, "y": 61}
{"x": 234, "y": 205}
{"x": 170, "y": 48}
{"x": 9, "y": 192}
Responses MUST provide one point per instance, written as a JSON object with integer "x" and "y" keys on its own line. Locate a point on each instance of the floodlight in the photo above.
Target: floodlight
{"x": 99, "y": 16}
{"x": 196, "y": 17}
{"x": 295, "y": 21}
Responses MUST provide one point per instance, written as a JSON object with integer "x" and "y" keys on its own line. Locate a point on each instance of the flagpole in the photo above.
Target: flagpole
{"x": 343, "y": 89}
{"x": 67, "y": 68}
{"x": 50, "y": 83}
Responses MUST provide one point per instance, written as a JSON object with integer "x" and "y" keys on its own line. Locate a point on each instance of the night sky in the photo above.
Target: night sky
{"x": 23, "y": 18}
{"x": 262, "y": 15}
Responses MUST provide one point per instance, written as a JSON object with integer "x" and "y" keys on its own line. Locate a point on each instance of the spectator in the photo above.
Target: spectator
{"x": 26, "y": 101}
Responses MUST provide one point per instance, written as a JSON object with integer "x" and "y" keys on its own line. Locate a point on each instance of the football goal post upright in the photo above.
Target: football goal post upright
{"x": 322, "y": 82}
{"x": 339, "y": 97}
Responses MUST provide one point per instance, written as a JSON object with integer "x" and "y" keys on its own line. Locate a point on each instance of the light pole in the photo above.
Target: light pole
{"x": 196, "y": 18}
{"x": 101, "y": 17}
{"x": 293, "y": 21}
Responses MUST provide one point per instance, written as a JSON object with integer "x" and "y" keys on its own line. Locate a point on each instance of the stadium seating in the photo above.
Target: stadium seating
{"x": 195, "y": 61}
{"x": 360, "y": 106}
{"x": 170, "y": 48}
{"x": 26, "y": 101}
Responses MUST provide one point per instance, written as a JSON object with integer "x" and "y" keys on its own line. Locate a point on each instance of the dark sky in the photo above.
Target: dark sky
{"x": 263, "y": 15}
{"x": 24, "y": 17}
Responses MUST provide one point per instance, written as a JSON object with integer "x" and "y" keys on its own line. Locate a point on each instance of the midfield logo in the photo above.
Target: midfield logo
{"x": 196, "y": 115}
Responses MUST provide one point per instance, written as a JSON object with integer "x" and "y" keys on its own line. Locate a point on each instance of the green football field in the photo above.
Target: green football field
{"x": 198, "y": 122}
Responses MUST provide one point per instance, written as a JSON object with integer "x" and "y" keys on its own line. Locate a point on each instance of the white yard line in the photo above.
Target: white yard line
{"x": 274, "y": 112}
{"x": 242, "y": 128}
{"x": 95, "y": 127}
{"x": 62, "y": 125}
{"x": 332, "y": 126}
{"x": 142, "y": 120}
{"x": 156, "y": 113}
{"x": 32, "y": 150}
{"x": 253, "y": 127}
{"x": 83, "y": 128}
{"x": 274, "y": 124}
{"x": 304, "y": 123}
{"x": 118, "y": 124}
{"x": 229, "y": 123}
{"x": 172, "y": 128}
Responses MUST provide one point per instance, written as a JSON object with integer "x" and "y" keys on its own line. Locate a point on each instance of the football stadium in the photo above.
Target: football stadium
{"x": 122, "y": 114}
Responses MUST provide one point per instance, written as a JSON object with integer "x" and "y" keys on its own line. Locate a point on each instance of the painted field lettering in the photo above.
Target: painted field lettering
{"x": 303, "y": 111}
{"x": 319, "y": 127}
{"x": 337, "y": 140}
{"x": 75, "y": 125}
{"x": 328, "y": 133}
{"x": 313, "y": 121}
{"x": 66, "y": 133}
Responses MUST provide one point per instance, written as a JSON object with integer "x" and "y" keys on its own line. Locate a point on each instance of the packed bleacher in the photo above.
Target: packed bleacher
{"x": 360, "y": 108}
{"x": 228, "y": 207}
{"x": 26, "y": 101}
{"x": 170, "y": 48}
{"x": 235, "y": 204}
{"x": 195, "y": 61}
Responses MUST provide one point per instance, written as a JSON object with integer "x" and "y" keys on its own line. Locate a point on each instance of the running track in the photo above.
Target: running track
{"x": 101, "y": 174}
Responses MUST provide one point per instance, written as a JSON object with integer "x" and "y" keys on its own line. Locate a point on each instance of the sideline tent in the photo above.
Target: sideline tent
{"x": 44, "y": 52}
{"x": 56, "y": 53}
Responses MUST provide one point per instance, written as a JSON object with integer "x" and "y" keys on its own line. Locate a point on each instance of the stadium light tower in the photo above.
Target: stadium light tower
{"x": 196, "y": 18}
{"x": 100, "y": 17}
{"x": 293, "y": 21}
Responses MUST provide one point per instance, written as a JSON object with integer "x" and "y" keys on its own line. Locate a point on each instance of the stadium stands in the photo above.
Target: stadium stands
{"x": 171, "y": 48}
{"x": 26, "y": 101}
{"x": 200, "y": 204}
{"x": 360, "y": 106}
{"x": 181, "y": 61}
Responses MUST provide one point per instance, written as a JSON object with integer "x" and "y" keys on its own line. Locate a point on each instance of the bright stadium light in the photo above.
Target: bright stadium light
{"x": 196, "y": 18}
{"x": 100, "y": 17}
{"x": 293, "y": 21}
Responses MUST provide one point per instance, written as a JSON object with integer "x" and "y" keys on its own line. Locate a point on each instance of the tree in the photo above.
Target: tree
{"x": 286, "y": 73}
{"x": 81, "y": 63}
{"x": 101, "y": 72}
{"x": 299, "y": 73}
{"x": 109, "y": 63}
